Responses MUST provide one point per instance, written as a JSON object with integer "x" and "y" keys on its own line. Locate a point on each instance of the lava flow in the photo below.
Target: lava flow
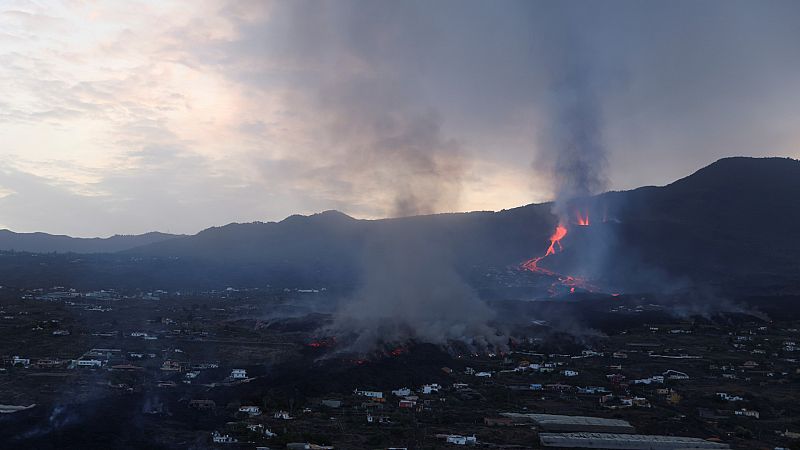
{"x": 569, "y": 281}
{"x": 555, "y": 240}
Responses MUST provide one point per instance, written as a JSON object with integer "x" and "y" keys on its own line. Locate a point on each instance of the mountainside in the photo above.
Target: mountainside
{"x": 734, "y": 222}
{"x": 46, "y": 243}
{"x": 735, "y": 217}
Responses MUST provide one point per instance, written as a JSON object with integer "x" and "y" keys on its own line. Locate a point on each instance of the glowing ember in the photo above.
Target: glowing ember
{"x": 398, "y": 351}
{"x": 322, "y": 343}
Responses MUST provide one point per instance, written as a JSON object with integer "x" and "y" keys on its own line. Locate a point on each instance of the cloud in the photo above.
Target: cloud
{"x": 378, "y": 108}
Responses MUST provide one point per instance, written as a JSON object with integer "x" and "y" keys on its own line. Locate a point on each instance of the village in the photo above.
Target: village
{"x": 216, "y": 369}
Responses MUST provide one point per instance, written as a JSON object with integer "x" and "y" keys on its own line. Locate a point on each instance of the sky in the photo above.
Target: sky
{"x": 127, "y": 117}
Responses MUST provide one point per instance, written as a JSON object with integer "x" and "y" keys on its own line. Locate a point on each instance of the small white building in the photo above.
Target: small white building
{"x": 223, "y": 438}
{"x": 369, "y": 394}
{"x": 729, "y": 398}
{"x": 283, "y": 415}
{"x": 747, "y": 413}
{"x": 20, "y": 361}
{"x": 250, "y": 410}
{"x": 461, "y": 440}
{"x": 430, "y": 388}
{"x": 402, "y": 392}
{"x": 89, "y": 363}
{"x": 656, "y": 379}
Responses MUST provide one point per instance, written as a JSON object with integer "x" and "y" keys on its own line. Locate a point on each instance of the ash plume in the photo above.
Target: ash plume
{"x": 573, "y": 153}
{"x": 571, "y": 147}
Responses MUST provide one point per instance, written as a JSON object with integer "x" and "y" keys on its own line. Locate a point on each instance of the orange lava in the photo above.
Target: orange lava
{"x": 583, "y": 219}
{"x": 555, "y": 242}
{"x": 555, "y": 239}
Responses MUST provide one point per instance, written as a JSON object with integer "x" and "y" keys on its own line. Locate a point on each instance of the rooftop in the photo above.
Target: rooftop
{"x": 626, "y": 441}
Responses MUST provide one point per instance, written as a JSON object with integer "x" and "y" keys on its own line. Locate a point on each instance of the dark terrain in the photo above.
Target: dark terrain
{"x": 132, "y": 342}
{"x": 729, "y": 226}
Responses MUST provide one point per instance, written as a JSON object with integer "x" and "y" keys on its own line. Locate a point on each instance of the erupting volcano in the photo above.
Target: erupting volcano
{"x": 569, "y": 281}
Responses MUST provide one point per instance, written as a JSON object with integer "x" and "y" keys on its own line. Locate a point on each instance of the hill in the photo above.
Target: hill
{"x": 731, "y": 224}
{"x": 47, "y": 243}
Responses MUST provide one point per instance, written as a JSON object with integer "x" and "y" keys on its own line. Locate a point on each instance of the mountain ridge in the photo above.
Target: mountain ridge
{"x": 39, "y": 242}
{"x": 732, "y": 221}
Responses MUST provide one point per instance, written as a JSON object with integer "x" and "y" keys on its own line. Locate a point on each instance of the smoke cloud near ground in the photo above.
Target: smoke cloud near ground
{"x": 411, "y": 292}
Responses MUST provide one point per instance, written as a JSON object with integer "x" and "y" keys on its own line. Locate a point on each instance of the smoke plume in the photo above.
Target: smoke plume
{"x": 571, "y": 147}
{"x": 390, "y": 147}
{"x": 411, "y": 292}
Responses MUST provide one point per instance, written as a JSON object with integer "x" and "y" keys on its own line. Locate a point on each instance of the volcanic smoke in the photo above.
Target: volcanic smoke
{"x": 572, "y": 150}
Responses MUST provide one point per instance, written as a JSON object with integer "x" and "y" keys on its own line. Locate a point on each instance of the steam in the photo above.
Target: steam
{"x": 411, "y": 292}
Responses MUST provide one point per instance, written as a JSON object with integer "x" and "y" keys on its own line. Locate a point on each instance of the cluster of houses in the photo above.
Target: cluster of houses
{"x": 407, "y": 398}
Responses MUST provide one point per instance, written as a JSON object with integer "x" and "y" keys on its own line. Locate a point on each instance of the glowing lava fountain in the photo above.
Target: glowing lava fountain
{"x": 583, "y": 219}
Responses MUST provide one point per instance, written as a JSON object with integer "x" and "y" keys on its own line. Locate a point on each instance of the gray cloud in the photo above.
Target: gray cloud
{"x": 389, "y": 108}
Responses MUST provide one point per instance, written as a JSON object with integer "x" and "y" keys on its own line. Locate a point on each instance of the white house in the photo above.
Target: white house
{"x": 728, "y": 397}
{"x": 222, "y": 438}
{"x": 747, "y": 413}
{"x": 250, "y": 410}
{"x": 283, "y": 415}
{"x": 21, "y": 361}
{"x": 592, "y": 390}
{"x": 369, "y": 394}
{"x": 461, "y": 440}
{"x": 89, "y": 363}
{"x": 654, "y": 379}
{"x": 402, "y": 392}
{"x": 429, "y": 388}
